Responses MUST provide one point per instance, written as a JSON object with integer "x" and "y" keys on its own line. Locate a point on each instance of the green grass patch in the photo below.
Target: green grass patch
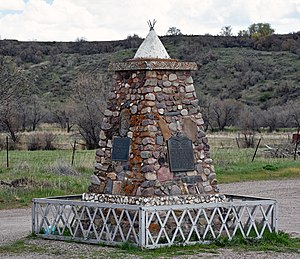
{"x": 36, "y": 174}
{"x": 234, "y": 165}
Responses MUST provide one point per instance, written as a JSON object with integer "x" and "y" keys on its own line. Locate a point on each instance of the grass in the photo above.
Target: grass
{"x": 46, "y": 173}
{"x": 50, "y": 173}
{"x": 234, "y": 165}
{"x": 275, "y": 242}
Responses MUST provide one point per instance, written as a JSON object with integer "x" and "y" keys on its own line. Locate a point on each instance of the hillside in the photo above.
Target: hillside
{"x": 263, "y": 73}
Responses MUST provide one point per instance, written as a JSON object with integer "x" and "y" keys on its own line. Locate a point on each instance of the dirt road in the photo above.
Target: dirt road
{"x": 16, "y": 224}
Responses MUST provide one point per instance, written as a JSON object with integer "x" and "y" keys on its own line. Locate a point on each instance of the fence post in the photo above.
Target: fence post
{"x": 256, "y": 150}
{"x": 73, "y": 152}
{"x": 7, "y": 147}
{"x": 296, "y": 145}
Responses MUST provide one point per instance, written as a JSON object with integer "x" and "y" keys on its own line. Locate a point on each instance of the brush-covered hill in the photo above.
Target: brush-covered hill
{"x": 262, "y": 72}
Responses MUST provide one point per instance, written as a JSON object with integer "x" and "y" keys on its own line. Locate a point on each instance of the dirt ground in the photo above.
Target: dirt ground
{"x": 16, "y": 224}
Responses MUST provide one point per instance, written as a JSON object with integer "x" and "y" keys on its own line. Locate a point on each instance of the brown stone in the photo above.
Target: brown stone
{"x": 190, "y": 129}
{"x": 116, "y": 189}
{"x": 164, "y": 128}
{"x": 164, "y": 174}
{"x": 112, "y": 176}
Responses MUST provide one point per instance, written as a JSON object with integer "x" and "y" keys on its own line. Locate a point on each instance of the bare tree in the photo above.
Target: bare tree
{"x": 89, "y": 97}
{"x": 224, "y": 112}
{"x": 63, "y": 114}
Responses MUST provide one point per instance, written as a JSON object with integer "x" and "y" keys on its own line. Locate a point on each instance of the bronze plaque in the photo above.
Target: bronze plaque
{"x": 120, "y": 149}
{"x": 181, "y": 154}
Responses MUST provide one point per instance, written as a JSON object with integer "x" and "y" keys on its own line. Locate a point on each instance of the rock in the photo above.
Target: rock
{"x": 173, "y": 126}
{"x": 159, "y": 140}
{"x": 150, "y": 97}
{"x": 105, "y": 126}
{"x": 148, "y": 192}
{"x": 150, "y": 176}
{"x": 151, "y": 160}
{"x": 157, "y": 89}
{"x": 167, "y": 83}
{"x": 133, "y": 109}
{"x": 148, "y": 140}
{"x": 108, "y": 187}
{"x": 164, "y": 128}
{"x": 95, "y": 180}
{"x": 116, "y": 189}
{"x": 190, "y": 128}
{"x": 112, "y": 176}
{"x": 208, "y": 188}
{"x": 206, "y": 171}
{"x": 108, "y": 113}
{"x": 99, "y": 152}
{"x": 189, "y": 80}
{"x": 172, "y": 77}
{"x": 146, "y": 154}
{"x": 184, "y": 112}
{"x": 164, "y": 174}
{"x": 189, "y": 88}
{"x": 161, "y": 111}
{"x": 175, "y": 190}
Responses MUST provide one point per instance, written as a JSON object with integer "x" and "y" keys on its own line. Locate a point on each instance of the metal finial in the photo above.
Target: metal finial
{"x": 151, "y": 24}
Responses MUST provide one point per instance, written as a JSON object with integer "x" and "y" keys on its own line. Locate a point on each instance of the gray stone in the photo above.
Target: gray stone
{"x": 172, "y": 113}
{"x": 147, "y": 169}
{"x": 108, "y": 113}
{"x": 199, "y": 168}
{"x": 173, "y": 126}
{"x": 184, "y": 112}
{"x": 175, "y": 190}
{"x": 108, "y": 187}
{"x": 146, "y": 154}
{"x": 160, "y": 105}
{"x": 133, "y": 109}
{"x": 189, "y": 88}
{"x": 167, "y": 83}
{"x": 95, "y": 180}
{"x": 150, "y": 97}
{"x": 172, "y": 77}
{"x": 212, "y": 176}
{"x": 208, "y": 188}
{"x": 206, "y": 171}
{"x": 159, "y": 140}
{"x": 105, "y": 126}
{"x": 99, "y": 152}
{"x": 150, "y": 176}
{"x": 151, "y": 82}
{"x": 157, "y": 89}
{"x": 148, "y": 192}
{"x": 189, "y": 80}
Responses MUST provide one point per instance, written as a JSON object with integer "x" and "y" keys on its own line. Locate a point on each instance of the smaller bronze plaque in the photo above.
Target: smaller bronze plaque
{"x": 120, "y": 149}
{"x": 181, "y": 155}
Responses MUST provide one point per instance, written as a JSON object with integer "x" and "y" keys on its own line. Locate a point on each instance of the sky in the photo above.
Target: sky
{"x": 104, "y": 20}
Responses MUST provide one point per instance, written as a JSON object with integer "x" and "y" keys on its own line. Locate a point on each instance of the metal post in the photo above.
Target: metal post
{"x": 256, "y": 150}
{"x": 33, "y": 217}
{"x": 7, "y": 160}
{"x": 296, "y": 146}
{"x": 73, "y": 152}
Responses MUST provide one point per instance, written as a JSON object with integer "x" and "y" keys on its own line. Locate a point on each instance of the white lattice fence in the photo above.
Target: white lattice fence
{"x": 68, "y": 218}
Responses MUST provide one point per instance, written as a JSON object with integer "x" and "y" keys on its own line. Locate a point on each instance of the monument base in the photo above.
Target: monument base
{"x": 69, "y": 218}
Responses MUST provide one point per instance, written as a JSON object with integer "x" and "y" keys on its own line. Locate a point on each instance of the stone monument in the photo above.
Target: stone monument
{"x": 152, "y": 141}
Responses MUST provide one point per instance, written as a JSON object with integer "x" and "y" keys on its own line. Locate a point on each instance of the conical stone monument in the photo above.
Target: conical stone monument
{"x": 152, "y": 140}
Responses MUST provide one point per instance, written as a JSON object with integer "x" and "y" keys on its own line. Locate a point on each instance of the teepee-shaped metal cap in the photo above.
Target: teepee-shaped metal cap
{"x": 152, "y": 47}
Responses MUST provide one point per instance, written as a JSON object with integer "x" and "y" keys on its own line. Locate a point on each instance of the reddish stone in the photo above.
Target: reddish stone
{"x": 116, "y": 189}
{"x": 164, "y": 174}
{"x": 164, "y": 128}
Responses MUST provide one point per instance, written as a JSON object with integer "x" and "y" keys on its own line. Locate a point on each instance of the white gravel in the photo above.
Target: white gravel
{"x": 15, "y": 224}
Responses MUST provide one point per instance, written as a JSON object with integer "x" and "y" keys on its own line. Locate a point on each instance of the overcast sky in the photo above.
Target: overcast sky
{"x": 67, "y": 20}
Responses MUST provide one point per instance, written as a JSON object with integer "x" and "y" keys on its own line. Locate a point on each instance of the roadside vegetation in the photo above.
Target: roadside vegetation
{"x": 271, "y": 242}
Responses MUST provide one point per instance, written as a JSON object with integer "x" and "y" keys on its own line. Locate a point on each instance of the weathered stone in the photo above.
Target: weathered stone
{"x": 175, "y": 190}
{"x": 108, "y": 186}
{"x": 164, "y": 174}
{"x": 146, "y": 154}
{"x": 119, "y": 168}
{"x": 146, "y": 110}
{"x": 157, "y": 89}
{"x": 133, "y": 109}
{"x": 206, "y": 171}
{"x": 172, "y": 77}
{"x": 208, "y": 161}
{"x": 112, "y": 176}
{"x": 151, "y": 128}
{"x": 108, "y": 113}
{"x": 148, "y": 192}
{"x": 130, "y": 134}
{"x": 161, "y": 111}
{"x": 173, "y": 126}
{"x": 211, "y": 176}
{"x": 150, "y": 97}
{"x": 167, "y": 83}
{"x": 150, "y": 176}
{"x": 189, "y": 80}
{"x": 200, "y": 122}
{"x": 99, "y": 152}
{"x": 146, "y": 141}
{"x": 159, "y": 140}
{"x": 124, "y": 122}
{"x": 184, "y": 112}
{"x": 172, "y": 113}
{"x": 116, "y": 189}
{"x": 151, "y": 160}
{"x": 147, "y": 169}
{"x": 208, "y": 188}
{"x": 95, "y": 180}
{"x": 156, "y": 154}
{"x": 190, "y": 128}
{"x": 199, "y": 168}
{"x": 151, "y": 82}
